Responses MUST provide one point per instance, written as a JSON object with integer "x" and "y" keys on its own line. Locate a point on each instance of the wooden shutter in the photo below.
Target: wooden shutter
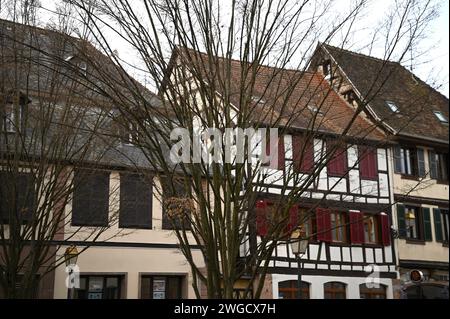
{"x": 262, "y": 223}
{"x": 26, "y": 196}
{"x": 385, "y": 229}
{"x": 337, "y": 165}
{"x": 426, "y": 224}
{"x": 401, "y": 220}
{"x": 293, "y": 219}
{"x": 437, "y": 224}
{"x": 323, "y": 220}
{"x": 433, "y": 164}
{"x": 281, "y": 153}
{"x": 356, "y": 227}
{"x": 135, "y": 202}
{"x": 368, "y": 166}
{"x": 421, "y": 171}
{"x": 90, "y": 199}
{"x": 303, "y": 154}
{"x": 17, "y": 189}
{"x": 398, "y": 160}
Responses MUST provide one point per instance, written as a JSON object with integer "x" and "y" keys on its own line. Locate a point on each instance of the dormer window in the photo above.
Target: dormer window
{"x": 83, "y": 67}
{"x": 327, "y": 68}
{"x": 315, "y": 110}
{"x": 441, "y": 117}
{"x": 258, "y": 100}
{"x": 392, "y": 106}
{"x": 11, "y": 118}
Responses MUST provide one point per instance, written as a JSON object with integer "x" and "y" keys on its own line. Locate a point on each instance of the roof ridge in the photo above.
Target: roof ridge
{"x": 359, "y": 54}
{"x": 240, "y": 61}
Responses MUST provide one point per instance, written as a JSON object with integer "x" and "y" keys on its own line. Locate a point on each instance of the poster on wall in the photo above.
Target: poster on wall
{"x": 159, "y": 289}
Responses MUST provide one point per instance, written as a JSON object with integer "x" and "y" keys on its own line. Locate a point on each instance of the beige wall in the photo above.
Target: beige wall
{"x": 128, "y": 261}
{"x": 426, "y": 187}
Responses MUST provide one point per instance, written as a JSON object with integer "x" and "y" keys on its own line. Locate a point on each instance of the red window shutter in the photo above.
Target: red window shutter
{"x": 323, "y": 221}
{"x": 337, "y": 165}
{"x": 368, "y": 162}
{"x": 356, "y": 228}
{"x": 385, "y": 229}
{"x": 281, "y": 153}
{"x": 261, "y": 218}
{"x": 293, "y": 219}
{"x": 303, "y": 155}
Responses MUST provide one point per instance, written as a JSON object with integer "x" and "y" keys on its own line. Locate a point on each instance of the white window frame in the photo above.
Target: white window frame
{"x": 440, "y": 116}
{"x": 392, "y": 106}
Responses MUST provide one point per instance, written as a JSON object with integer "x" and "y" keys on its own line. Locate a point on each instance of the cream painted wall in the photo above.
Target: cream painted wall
{"x": 130, "y": 262}
{"x": 425, "y": 188}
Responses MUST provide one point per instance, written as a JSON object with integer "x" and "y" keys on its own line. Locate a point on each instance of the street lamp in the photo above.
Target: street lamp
{"x": 71, "y": 257}
{"x": 299, "y": 244}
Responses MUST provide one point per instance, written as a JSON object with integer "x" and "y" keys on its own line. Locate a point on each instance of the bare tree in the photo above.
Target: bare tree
{"x": 54, "y": 138}
{"x": 243, "y": 66}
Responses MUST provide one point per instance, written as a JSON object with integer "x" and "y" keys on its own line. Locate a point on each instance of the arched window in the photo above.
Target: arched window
{"x": 335, "y": 290}
{"x": 288, "y": 289}
{"x": 372, "y": 293}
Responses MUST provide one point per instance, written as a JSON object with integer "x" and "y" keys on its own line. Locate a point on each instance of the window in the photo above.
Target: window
{"x": 414, "y": 222}
{"x": 326, "y": 68}
{"x": 177, "y": 205}
{"x": 372, "y": 293}
{"x": 370, "y": 229}
{"x": 161, "y": 287}
{"x": 130, "y": 135}
{"x": 368, "y": 166}
{"x": 98, "y": 287}
{"x": 335, "y": 290}
{"x": 427, "y": 291}
{"x": 405, "y": 161}
{"x": 11, "y": 118}
{"x": 438, "y": 165}
{"x": 308, "y": 222}
{"x": 17, "y": 196}
{"x": 337, "y": 164}
{"x": 315, "y": 110}
{"x": 441, "y": 117}
{"x": 392, "y": 106}
{"x": 441, "y": 226}
{"x": 91, "y": 198}
{"x": 303, "y": 154}
{"x": 288, "y": 289}
{"x": 135, "y": 202}
{"x": 338, "y": 227}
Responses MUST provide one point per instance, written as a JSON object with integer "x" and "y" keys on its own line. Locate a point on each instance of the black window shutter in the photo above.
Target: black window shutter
{"x": 135, "y": 202}
{"x": 420, "y": 163}
{"x": 401, "y": 221}
{"x": 398, "y": 159}
{"x": 427, "y": 224}
{"x": 433, "y": 165}
{"x": 90, "y": 199}
{"x": 437, "y": 224}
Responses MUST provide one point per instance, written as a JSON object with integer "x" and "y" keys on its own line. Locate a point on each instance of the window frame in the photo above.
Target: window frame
{"x": 393, "y": 107}
{"x": 409, "y": 159}
{"x": 327, "y": 289}
{"x": 440, "y": 116}
{"x": 341, "y": 226}
{"x": 180, "y": 278}
{"x": 372, "y": 291}
{"x": 292, "y": 290}
{"x": 376, "y": 229}
{"x": 105, "y": 277}
{"x": 418, "y": 223}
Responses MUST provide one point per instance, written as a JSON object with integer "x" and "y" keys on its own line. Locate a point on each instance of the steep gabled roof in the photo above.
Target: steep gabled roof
{"x": 378, "y": 81}
{"x": 281, "y": 96}
{"x": 38, "y": 61}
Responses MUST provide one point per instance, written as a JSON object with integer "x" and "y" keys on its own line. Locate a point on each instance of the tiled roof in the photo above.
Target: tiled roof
{"x": 379, "y": 81}
{"x": 286, "y": 97}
